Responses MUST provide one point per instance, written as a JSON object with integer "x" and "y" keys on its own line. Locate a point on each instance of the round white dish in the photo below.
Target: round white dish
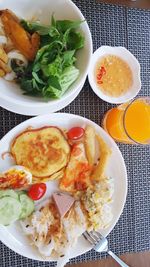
{"x": 12, "y": 236}
{"x": 129, "y": 58}
{"x": 55, "y": 105}
{"x": 11, "y": 96}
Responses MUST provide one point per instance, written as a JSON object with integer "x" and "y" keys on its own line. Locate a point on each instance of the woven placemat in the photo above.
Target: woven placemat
{"x": 110, "y": 25}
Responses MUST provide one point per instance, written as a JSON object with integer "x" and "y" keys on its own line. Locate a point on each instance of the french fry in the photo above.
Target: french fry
{"x": 105, "y": 153}
{"x": 89, "y": 142}
{"x": 3, "y": 55}
{"x": 2, "y": 73}
{"x": 4, "y": 67}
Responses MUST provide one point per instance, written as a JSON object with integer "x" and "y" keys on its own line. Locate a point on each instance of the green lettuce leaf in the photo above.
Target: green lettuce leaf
{"x": 35, "y": 27}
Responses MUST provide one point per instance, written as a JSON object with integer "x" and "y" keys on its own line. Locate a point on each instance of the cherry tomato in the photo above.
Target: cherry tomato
{"x": 75, "y": 133}
{"x": 37, "y": 191}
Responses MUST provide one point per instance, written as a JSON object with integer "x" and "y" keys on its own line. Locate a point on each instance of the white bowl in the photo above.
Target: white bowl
{"x": 11, "y": 96}
{"x": 125, "y": 55}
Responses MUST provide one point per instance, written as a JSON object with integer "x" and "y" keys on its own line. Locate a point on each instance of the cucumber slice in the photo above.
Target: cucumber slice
{"x": 10, "y": 209}
{"x": 27, "y": 206}
{"x": 19, "y": 193}
{"x": 8, "y": 193}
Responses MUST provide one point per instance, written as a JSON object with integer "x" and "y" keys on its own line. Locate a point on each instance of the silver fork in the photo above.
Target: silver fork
{"x": 100, "y": 244}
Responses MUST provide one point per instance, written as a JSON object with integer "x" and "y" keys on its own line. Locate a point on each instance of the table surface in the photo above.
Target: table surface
{"x": 129, "y": 3}
{"x": 115, "y": 26}
{"x": 133, "y": 260}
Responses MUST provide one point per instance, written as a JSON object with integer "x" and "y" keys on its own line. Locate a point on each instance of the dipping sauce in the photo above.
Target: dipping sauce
{"x": 113, "y": 76}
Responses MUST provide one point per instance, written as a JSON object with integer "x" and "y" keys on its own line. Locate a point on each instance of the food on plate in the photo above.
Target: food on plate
{"x": 90, "y": 144}
{"x": 75, "y": 133}
{"x": 77, "y": 174}
{"x": 3, "y": 55}
{"x": 2, "y": 73}
{"x": 17, "y": 177}
{"x": 55, "y": 226}
{"x": 8, "y": 193}
{"x": 63, "y": 202}
{"x": 96, "y": 202}
{"x": 54, "y": 235}
{"x": 105, "y": 152}
{"x": 14, "y": 206}
{"x": 27, "y": 205}
{"x": 113, "y": 76}
{"x": 50, "y": 52}
{"x": 37, "y": 191}
{"x": 27, "y": 44}
{"x": 79, "y": 160}
{"x": 4, "y": 67}
{"x": 55, "y": 176}
{"x": 43, "y": 151}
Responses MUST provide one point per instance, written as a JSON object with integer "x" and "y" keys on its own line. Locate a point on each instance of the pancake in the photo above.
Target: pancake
{"x": 43, "y": 151}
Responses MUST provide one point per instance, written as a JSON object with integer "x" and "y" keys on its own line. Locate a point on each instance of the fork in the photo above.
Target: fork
{"x": 100, "y": 244}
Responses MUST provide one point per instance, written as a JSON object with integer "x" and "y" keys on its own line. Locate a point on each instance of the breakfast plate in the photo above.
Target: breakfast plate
{"x": 12, "y": 235}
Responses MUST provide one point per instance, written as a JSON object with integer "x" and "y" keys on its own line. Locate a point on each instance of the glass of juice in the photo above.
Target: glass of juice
{"x": 130, "y": 122}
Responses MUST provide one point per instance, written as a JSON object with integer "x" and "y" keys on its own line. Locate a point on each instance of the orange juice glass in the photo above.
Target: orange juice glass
{"x": 130, "y": 122}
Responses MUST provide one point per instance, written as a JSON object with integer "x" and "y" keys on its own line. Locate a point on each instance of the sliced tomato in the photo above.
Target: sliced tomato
{"x": 75, "y": 133}
{"x": 37, "y": 191}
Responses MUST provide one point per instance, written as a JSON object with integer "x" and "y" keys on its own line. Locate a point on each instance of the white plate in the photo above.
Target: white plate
{"x": 55, "y": 106}
{"x": 12, "y": 236}
{"x": 11, "y": 96}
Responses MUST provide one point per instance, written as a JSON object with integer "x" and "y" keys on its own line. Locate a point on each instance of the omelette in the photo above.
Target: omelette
{"x": 78, "y": 170}
{"x": 43, "y": 151}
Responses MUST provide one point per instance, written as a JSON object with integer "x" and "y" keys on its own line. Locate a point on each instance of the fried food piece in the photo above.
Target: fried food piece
{"x": 43, "y": 151}
{"x": 90, "y": 145}
{"x": 55, "y": 176}
{"x": 4, "y": 67}
{"x": 35, "y": 41}
{"x": 22, "y": 40}
{"x": 10, "y": 14}
{"x": 3, "y": 55}
{"x": 77, "y": 174}
{"x": 2, "y": 73}
{"x": 105, "y": 152}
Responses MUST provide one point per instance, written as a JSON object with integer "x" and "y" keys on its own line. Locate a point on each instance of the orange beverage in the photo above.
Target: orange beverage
{"x": 130, "y": 122}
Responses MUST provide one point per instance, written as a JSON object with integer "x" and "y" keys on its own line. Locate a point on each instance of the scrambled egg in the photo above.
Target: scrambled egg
{"x": 96, "y": 202}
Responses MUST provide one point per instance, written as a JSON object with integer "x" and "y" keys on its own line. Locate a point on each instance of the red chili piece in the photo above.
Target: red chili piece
{"x": 101, "y": 72}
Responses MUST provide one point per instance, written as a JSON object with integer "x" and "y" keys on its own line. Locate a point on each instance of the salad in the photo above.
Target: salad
{"x": 40, "y": 58}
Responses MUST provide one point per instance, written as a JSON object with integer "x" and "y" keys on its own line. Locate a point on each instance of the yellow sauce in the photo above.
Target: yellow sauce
{"x": 116, "y": 79}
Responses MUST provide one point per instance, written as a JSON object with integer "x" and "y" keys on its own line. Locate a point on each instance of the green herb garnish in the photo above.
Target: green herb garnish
{"x": 53, "y": 71}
